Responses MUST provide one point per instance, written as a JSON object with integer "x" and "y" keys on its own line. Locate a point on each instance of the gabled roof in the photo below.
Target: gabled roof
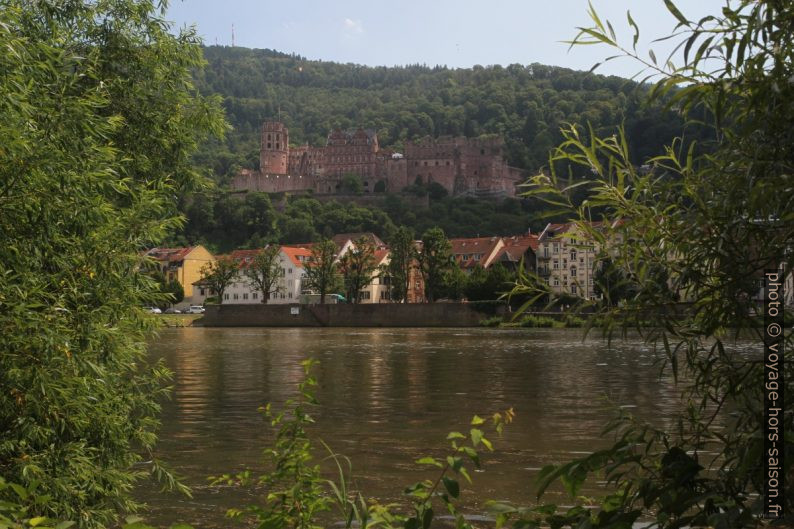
{"x": 294, "y": 254}
{"x": 169, "y": 254}
{"x": 381, "y": 255}
{"x": 483, "y": 246}
{"x": 557, "y": 229}
{"x": 516, "y": 247}
{"x": 244, "y": 257}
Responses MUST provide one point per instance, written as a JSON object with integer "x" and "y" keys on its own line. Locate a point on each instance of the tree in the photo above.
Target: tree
{"x": 358, "y": 268}
{"x": 351, "y": 183}
{"x": 490, "y": 284}
{"x": 434, "y": 260}
{"x": 610, "y": 283}
{"x": 265, "y": 271}
{"x": 321, "y": 269}
{"x": 402, "y": 259}
{"x": 716, "y": 217}
{"x": 219, "y": 274}
{"x": 100, "y": 120}
{"x": 175, "y": 291}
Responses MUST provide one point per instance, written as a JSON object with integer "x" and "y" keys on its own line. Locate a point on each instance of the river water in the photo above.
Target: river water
{"x": 388, "y": 397}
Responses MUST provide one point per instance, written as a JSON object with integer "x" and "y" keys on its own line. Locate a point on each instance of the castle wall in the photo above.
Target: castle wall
{"x": 463, "y": 166}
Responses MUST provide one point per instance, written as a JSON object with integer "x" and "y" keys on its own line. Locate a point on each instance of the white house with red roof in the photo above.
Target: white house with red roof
{"x": 291, "y": 259}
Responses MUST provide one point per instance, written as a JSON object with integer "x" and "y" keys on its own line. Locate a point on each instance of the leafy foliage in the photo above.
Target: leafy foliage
{"x": 218, "y": 275}
{"x": 322, "y": 273}
{"x": 434, "y": 261}
{"x": 402, "y": 257}
{"x": 100, "y": 120}
{"x": 700, "y": 226}
{"x": 264, "y": 272}
{"x": 358, "y": 268}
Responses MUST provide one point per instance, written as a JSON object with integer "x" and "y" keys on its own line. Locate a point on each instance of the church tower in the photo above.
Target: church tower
{"x": 274, "y": 152}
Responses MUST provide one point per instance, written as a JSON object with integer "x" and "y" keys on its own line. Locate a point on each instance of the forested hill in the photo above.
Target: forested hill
{"x": 526, "y": 104}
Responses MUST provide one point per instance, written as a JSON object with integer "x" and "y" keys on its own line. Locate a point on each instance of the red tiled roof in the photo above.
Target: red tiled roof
{"x": 380, "y": 255}
{"x": 169, "y": 254}
{"x": 483, "y": 245}
{"x": 515, "y": 247}
{"x": 294, "y": 254}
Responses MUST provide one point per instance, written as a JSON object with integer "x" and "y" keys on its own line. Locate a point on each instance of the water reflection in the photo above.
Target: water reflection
{"x": 389, "y": 396}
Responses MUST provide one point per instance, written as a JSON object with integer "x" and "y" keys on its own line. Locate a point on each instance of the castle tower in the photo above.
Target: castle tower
{"x": 274, "y": 152}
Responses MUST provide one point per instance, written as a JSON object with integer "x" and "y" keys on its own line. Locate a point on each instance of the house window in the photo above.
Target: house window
{"x": 556, "y": 264}
{"x": 245, "y": 295}
{"x": 573, "y": 255}
{"x": 545, "y": 250}
{"x": 573, "y": 271}
{"x": 573, "y": 289}
{"x": 364, "y": 294}
{"x": 556, "y": 282}
{"x": 236, "y": 296}
{"x": 289, "y": 295}
{"x": 255, "y": 295}
{"x": 201, "y": 291}
{"x": 226, "y": 296}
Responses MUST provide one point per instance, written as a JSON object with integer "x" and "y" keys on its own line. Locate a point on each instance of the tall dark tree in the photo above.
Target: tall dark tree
{"x": 402, "y": 260}
{"x": 434, "y": 262}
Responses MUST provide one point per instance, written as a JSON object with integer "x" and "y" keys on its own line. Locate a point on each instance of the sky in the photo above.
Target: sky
{"x": 455, "y": 33}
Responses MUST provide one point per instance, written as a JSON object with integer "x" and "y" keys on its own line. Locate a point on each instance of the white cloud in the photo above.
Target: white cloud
{"x": 352, "y": 27}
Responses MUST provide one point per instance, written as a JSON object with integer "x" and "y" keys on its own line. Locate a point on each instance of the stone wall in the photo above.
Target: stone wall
{"x": 365, "y": 315}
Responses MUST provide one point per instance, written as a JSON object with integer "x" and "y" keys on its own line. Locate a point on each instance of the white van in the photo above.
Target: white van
{"x": 195, "y": 309}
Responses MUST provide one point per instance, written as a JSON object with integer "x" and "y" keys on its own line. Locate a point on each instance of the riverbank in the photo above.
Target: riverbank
{"x": 178, "y": 320}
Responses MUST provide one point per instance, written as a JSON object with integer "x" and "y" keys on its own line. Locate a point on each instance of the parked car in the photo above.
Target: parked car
{"x": 172, "y": 310}
{"x": 195, "y": 309}
{"x": 153, "y": 310}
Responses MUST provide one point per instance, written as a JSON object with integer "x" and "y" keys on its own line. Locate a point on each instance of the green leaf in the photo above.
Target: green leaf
{"x": 477, "y": 420}
{"x": 676, "y": 13}
{"x": 430, "y": 461}
{"x": 452, "y": 486}
{"x": 455, "y": 435}
{"x": 427, "y": 518}
{"x": 38, "y": 520}
{"x": 476, "y": 436}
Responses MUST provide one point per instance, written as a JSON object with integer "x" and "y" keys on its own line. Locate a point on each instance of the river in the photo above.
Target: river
{"x": 388, "y": 397}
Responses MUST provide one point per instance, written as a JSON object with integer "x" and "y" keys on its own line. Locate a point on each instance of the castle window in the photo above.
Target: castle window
{"x": 425, "y": 163}
{"x": 416, "y": 164}
{"x": 482, "y": 151}
{"x": 436, "y": 162}
{"x": 447, "y": 162}
{"x": 268, "y": 145}
{"x": 268, "y": 137}
{"x": 278, "y": 146}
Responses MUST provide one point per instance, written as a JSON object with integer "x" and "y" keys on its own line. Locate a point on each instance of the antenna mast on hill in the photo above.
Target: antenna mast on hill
{"x": 232, "y": 35}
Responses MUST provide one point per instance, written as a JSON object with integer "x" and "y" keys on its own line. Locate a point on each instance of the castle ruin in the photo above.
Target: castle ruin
{"x": 463, "y": 166}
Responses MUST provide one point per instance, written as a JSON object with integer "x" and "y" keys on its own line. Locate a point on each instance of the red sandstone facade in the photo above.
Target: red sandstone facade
{"x": 463, "y": 166}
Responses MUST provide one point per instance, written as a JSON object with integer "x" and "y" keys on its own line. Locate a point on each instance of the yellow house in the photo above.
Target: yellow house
{"x": 182, "y": 264}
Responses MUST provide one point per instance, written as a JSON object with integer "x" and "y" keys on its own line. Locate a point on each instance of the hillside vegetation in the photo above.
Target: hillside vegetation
{"x": 526, "y": 105}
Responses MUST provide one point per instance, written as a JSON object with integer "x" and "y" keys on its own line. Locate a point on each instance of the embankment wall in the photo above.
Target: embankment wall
{"x": 364, "y": 315}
